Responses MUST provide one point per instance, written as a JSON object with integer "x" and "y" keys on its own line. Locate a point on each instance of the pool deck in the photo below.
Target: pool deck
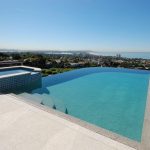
{"x": 145, "y": 142}
{"x": 25, "y": 127}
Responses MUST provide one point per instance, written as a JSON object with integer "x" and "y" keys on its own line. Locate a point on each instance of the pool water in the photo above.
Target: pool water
{"x": 113, "y": 99}
{"x": 13, "y": 71}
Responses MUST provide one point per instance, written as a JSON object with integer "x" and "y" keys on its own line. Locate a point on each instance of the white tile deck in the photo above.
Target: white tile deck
{"x": 25, "y": 127}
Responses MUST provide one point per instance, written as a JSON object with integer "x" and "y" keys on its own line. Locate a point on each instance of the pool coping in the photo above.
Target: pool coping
{"x": 22, "y": 67}
{"x": 14, "y": 74}
{"x": 145, "y": 141}
{"x": 89, "y": 126}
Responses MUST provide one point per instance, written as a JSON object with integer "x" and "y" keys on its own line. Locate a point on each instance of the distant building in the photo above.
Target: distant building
{"x": 79, "y": 64}
{"x": 118, "y": 55}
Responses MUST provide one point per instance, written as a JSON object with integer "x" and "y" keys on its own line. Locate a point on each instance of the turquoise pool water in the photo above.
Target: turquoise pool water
{"x": 113, "y": 99}
{"x": 12, "y": 71}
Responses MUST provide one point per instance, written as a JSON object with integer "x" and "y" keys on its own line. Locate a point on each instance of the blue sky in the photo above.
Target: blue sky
{"x": 104, "y": 25}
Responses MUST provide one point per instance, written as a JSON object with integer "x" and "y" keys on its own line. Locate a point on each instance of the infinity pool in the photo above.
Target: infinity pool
{"x": 113, "y": 99}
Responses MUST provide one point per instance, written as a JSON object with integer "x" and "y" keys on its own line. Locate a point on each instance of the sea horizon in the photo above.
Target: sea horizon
{"x": 125, "y": 54}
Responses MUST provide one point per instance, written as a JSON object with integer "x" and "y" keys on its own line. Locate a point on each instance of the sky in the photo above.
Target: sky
{"x": 99, "y": 25}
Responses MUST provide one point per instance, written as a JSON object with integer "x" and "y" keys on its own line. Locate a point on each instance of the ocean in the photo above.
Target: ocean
{"x": 144, "y": 55}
